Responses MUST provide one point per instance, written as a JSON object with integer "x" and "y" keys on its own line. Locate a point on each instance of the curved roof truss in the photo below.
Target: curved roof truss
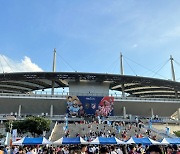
{"x": 133, "y": 85}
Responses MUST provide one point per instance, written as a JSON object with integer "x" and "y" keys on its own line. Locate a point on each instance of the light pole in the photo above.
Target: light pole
{"x": 8, "y": 137}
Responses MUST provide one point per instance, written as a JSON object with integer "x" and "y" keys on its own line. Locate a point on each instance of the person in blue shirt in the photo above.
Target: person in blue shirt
{"x": 69, "y": 101}
{"x": 74, "y": 110}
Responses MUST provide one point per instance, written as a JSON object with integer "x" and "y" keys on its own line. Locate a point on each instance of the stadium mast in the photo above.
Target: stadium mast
{"x": 122, "y": 84}
{"x": 54, "y": 70}
{"x": 172, "y": 68}
{"x": 54, "y": 61}
{"x": 121, "y": 64}
{"x": 122, "y": 72}
{"x": 173, "y": 73}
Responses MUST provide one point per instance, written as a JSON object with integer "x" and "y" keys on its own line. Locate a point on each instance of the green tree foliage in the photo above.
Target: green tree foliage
{"x": 2, "y": 136}
{"x": 17, "y": 125}
{"x": 34, "y": 125}
{"x": 177, "y": 133}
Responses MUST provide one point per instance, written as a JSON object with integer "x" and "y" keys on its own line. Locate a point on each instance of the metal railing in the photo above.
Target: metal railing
{"x": 3, "y": 117}
{"x": 63, "y": 95}
{"x": 161, "y": 132}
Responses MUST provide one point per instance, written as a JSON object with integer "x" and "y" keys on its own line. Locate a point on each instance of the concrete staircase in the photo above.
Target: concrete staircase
{"x": 81, "y": 129}
{"x": 85, "y": 129}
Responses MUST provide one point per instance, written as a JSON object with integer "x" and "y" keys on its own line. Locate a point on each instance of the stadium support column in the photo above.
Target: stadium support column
{"x": 173, "y": 74}
{"x": 54, "y": 70}
{"x": 178, "y": 114}
{"x": 19, "y": 111}
{"x": 51, "y": 110}
{"x": 152, "y": 113}
{"x": 52, "y": 90}
{"x": 124, "y": 112}
{"x": 122, "y": 73}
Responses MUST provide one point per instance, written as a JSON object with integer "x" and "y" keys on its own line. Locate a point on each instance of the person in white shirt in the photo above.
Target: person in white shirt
{"x": 113, "y": 150}
{"x": 65, "y": 150}
{"x": 118, "y": 150}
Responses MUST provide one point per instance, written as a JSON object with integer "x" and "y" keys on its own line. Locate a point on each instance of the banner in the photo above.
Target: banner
{"x": 14, "y": 135}
{"x": 90, "y": 105}
{"x": 74, "y": 106}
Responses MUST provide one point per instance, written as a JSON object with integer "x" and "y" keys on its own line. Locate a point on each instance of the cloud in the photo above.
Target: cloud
{"x": 25, "y": 65}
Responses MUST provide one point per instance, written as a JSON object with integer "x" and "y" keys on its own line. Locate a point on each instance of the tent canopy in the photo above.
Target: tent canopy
{"x": 171, "y": 141}
{"x": 107, "y": 140}
{"x": 144, "y": 141}
{"x": 32, "y": 141}
{"x": 70, "y": 140}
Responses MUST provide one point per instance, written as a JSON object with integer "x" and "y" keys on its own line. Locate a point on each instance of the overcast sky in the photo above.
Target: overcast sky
{"x": 89, "y": 36}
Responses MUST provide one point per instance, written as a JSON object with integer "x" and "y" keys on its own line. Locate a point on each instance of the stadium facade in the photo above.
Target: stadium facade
{"x": 140, "y": 96}
{"x": 143, "y": 96}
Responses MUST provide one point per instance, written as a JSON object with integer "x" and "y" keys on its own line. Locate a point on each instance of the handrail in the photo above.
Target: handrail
{"x": 162, "y": 132}
{"x": 53, "y": 130}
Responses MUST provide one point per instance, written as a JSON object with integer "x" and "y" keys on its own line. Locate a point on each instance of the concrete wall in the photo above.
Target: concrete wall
{"x": 32, "y": 106}
{"x": 163, "y": 127}
{"x": 144, "y": 108}
{"x": 87, "y": 87}
{"x": 38, "y": 106}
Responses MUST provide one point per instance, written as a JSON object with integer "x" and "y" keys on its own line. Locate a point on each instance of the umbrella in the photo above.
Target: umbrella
{"x": 32, "y": 141}
{"x": 70, "y": 140}
{"x": 171, "y": 141}
{"x": 106, "y": 140}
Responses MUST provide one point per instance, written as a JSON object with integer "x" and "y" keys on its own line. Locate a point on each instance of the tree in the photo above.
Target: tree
{"x": 177, "y": 133}
{"x": 19, "y": 125}
{"x": 34, "y": 125}
{"x": 2, "y": 136}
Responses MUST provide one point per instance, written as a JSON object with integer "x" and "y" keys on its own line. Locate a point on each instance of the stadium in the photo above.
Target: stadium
{"x": 96, "y": 104}
{"x": 142, "y": 96}
{"x": 94, "y": 100}
{"x": 23, "y": 93}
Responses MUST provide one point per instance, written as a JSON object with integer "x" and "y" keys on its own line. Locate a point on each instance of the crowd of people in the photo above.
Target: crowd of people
{"x": 123, "y": 130}
{"x": 98, "y": 127}
{"x": 92, "y": 149}
{"x": 94, "y": 130}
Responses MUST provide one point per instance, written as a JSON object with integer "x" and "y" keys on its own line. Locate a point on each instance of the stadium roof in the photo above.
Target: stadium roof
{"x": 133, "y": 85}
